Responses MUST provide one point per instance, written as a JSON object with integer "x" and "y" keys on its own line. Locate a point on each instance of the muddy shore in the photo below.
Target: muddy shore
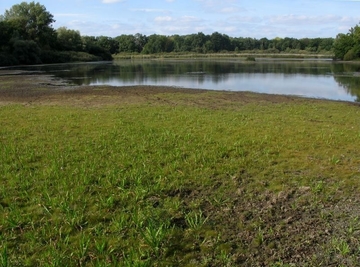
{"x": 37, "y": 88}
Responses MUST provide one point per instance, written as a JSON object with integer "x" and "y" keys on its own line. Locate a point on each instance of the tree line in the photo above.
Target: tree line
{"x": 217, "y": 42}
{"x": 27, "y": 37}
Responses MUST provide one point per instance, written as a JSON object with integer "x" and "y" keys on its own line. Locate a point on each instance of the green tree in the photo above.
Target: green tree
{"x": 209, "y": 47}
{"x": 92, "y": 46}
{"x": 342, "y": 45}
{"x": 237, "y": 43}
{"x": 264, "y": 43}
{"x": 158, "y": 44}
{"x": 26, "y": 52}
{"x": 5, "y": 34}
{"x": 347, "y": 46}
{"x": 192, "y": 43}
{"x": 127, "y": 43}
{"x": 178, "y": 42}
{"x": 131, "y": 43}
{"x": 314, "y": 45}
{"x": 69, "y": 39}
{"x": 32, "y": 22}
{"x": 296, "y": 44}
{"x": 140, "y": 42}
{"x": 326, "y": 44}
{"x": 109, "y": 44}
{"x": 220, "y": 42}
{"x": 187, "y": 44}
{"x": 276, "y": 43}
{"x": 304, "y": 43}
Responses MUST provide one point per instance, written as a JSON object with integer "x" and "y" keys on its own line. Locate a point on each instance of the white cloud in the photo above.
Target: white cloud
{"x": 237, "y": 18}
{"x": 162, "y": 19}
{"x": 244, "y": 19}
{"x": 189, "y": 19}
{"x": 112, "y": 1}
{"x": 230, "y": 10}
{"x": 225, "y": 6}
{"x": 303, "y": 19}
{"x": 179, "y": 25}
{"x": 107, "y": 28}
{"x": 148, "y": 10}
{"x": 70, "y": 15}
{"x": 178, "y": 21}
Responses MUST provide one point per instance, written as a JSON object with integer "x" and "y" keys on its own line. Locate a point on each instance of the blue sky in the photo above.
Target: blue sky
{"x": 236, "y": 18}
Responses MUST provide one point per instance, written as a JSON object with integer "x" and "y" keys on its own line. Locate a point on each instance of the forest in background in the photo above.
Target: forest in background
{"x": 27, "y": 37}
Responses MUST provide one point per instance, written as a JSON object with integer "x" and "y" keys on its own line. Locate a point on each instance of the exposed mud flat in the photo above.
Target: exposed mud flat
{"x": 26, "y": 87}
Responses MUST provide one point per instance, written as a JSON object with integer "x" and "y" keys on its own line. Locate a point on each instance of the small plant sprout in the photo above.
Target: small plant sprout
{"x": 4, "y": 261}
{"x": 83, "y": 249}
{"x": 195, "y": 219}
{"x": 319, "y": 187}
{"x": 341, "y": 246}
{"x": 225, "y": 258}
{"x": 334, "y": 160}
{"x": 354, "y": 225}
{"x": 101, "y": 246}
{"x": 260, "y": 236}
{"x": 154, "y": 235}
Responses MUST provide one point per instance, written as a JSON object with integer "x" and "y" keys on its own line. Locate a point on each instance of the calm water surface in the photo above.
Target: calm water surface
{"x": 309, "y": 78}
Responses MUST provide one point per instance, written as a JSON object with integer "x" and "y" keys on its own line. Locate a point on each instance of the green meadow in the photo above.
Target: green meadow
{"x": 192, "y": 180}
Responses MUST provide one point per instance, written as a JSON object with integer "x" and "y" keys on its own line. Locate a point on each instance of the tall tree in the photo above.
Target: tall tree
{"x": 69, "y": 39}
{"x": 220, "y": 42}
{"x": 347, "y": 46}
{"x": 32, "y": 21}
{"x": 140, "y": 41}
{"x": 108, "y": 43}
{"x": 158, "y": 44}
{"x": 178, "y": 42}
{"x": 126, "y": 43}
{"x": 5, "y": 34}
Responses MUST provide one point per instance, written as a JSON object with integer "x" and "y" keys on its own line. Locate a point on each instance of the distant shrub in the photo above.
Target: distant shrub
{"x": 273, "y": 50}
{"x": 250, "y": 58}
{"x": 350, "y": 55}
{"x": 83, "y": 56}
{"x": 50, "y": 56}
{"x": 7, "y": 60}
{"x": 100, "y": 52}
{"x": 26, "y": 52}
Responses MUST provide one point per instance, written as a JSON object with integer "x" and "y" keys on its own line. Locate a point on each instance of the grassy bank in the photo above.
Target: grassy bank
{"x": 178, "y": 179}
{"x": 241, "y": 55}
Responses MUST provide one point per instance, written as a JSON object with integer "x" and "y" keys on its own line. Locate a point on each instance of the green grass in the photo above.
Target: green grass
{"x": 242, "y": 55}
{"x": 164, "y": 185}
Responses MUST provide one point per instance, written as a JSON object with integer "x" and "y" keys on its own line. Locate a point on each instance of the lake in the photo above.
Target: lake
{"x": 306, "y": 77}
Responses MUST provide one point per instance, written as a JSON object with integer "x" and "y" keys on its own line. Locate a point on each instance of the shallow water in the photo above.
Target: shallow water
{"x": 310, "y": 78}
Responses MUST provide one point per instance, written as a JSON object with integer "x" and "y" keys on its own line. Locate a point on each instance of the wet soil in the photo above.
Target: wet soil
{"x": 32, "y": 87}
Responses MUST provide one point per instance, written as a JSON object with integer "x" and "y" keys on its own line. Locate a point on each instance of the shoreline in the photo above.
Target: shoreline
{"x": 45, "y": 89}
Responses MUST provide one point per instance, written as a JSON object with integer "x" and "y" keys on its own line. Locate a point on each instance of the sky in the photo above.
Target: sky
{"x": 236, "y": 18}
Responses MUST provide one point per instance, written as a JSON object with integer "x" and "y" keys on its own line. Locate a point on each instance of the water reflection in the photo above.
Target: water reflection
{"x": 320, "y": 79}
